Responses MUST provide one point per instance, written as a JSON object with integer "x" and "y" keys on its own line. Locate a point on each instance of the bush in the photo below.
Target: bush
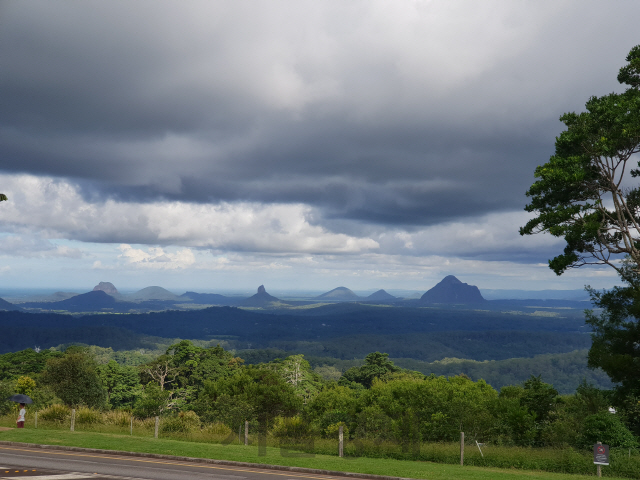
{"x": 55, "y": 413}
{"x": 184, "y": 422}
{"x": 120, "y": 418}
{"x": 291, "y": 427}
{"x": 333, "y": 430}
{"x": 6, "y": 389}
{"x": 88, "y": 416}
{"x": 218, "y": 429}
{"x": 606, "y": 428}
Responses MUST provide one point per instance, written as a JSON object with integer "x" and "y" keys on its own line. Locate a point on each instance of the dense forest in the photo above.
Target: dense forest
{"x": 502, "y": 347}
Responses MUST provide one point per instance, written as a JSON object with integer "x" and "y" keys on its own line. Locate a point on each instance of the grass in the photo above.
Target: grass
{"x": 143, "y": 441}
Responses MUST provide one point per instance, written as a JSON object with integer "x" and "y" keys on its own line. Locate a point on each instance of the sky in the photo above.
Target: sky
{"x": 303, "y": 145}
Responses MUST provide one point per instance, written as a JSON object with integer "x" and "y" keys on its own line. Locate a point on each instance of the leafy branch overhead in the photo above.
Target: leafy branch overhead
{"x": 581, "y": 193}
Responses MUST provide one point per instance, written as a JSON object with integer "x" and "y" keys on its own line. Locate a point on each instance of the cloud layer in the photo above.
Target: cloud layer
{"x": 295, "y": 127}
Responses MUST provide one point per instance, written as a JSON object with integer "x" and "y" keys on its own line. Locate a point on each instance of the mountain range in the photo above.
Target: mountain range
{"x": 105, "y": 297}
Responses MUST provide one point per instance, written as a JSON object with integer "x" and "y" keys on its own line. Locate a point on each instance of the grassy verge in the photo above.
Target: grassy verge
{"x": 274, "y": 456}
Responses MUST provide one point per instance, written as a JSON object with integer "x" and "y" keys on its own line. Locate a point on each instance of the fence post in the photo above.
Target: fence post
{"x": 37, "y": 427}
{"x": 73, "y": 419}
{"x": 599, "y": 466}
{"x": 461, "y": 448}
{"x": 131, "y": 430}
{"x": 340, "y": 442}
{"x": 246, "y": 432}
{"x": 155, "y": 435}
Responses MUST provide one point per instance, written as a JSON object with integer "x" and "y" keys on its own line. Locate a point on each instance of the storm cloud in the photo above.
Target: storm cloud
{"x": 370, "y": 125}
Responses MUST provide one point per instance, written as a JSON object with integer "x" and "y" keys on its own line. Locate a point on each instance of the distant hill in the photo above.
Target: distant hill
{"x": 107, "y": 287}
{"x": 381, "y": 296}
{"x": 4, "y": 305}
{"x": 340, "y": 294}
{"x": 260, "y": 299}
{"x": 452, "y": 291}
{"x": 152, "y": 293}
{"x": 86, "y": 302}
{"x": 209, "y": 299}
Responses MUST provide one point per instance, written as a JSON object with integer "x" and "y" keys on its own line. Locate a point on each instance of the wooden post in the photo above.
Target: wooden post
{"x": 37, "y": 427}
{"x": 73, "y": 419}
{"x": 131, "y": 429}
{"x": 155, "y": 435}
{"x": 340, "y": 442}
{"x": 461, "y": 448}
{"x": 599, "y": 466}
{"x": 246, "y": 432}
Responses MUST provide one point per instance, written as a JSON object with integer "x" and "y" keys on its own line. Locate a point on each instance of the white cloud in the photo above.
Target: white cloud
{"x": 156, "y": 257}
{"x": 57, "y": 210}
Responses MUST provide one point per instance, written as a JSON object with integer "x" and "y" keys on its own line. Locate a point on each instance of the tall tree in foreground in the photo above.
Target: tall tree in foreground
{"x": 584, "y": 195}
{"x": 582, "y": 192}
{"x": 74, "y": 378}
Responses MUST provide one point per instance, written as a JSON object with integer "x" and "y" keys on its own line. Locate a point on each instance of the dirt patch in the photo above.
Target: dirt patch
{"x": 2, "y": 429}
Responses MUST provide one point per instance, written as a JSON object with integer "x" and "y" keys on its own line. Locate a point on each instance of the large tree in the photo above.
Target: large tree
{"x": 582, "y": 193}
{"x": 74, "y": 378}
{"x": 586, "y": 194}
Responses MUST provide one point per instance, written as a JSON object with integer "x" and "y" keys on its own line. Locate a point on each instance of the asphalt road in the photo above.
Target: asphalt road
{"x": 43, "y": 464}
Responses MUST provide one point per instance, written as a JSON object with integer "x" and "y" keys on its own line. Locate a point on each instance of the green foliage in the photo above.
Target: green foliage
{"x": 615, "y": 334}
{"x": 25, "y": 385}
{"x": 6, "y": 390}
{"x": 153, "y": 402}
{"x": 373, "y": 422}
{"x": 570, "y": 195}
{"x": 74, "y": 379}
{"x": 183, "y": 422}
{"x": 55, "y": 413}
{"x": 88, "y": 416}
{"x": 606, "y": 428}
{"x": 25, "y": 362}
{"x": 122, "y": 384}
{"x": 538, "y": 398}
{"x": 297, "y": 372}
{"x": 375, "y": 365}
{"x": 291, "y": 428}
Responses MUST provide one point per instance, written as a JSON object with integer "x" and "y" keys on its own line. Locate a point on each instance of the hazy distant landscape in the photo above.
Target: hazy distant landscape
{"x": 503, "y": 341}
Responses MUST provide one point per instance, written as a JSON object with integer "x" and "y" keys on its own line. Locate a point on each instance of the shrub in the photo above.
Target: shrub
{"x": 55, "y": 413}
{"x": 333, "y": 430}
{"x": 606, "y": 428}
{"x": 217, "y": 428}
{"x": 88, "y": 416}
{"x": 184, "y": 422}
{"x": 120, "y": 418}
{"x": 291, "y": 427}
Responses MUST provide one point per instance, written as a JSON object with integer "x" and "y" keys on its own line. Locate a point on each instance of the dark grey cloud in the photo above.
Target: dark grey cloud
{"x": 357, "y": 110}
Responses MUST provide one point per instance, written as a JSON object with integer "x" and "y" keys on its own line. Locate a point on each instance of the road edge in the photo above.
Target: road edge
{"x": 213, "y": 461}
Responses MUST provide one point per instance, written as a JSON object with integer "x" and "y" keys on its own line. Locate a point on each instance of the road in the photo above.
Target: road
{"x": 44, "y": 464}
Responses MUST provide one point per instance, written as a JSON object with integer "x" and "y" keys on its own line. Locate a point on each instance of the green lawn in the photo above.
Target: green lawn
{"x": 400, "y": 468}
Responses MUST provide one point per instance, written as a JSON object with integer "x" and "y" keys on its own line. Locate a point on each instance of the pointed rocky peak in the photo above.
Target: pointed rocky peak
{"x": 106, "y": 287}
{"x": 260, "y": 299}
{"x": 450, "y": 290}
